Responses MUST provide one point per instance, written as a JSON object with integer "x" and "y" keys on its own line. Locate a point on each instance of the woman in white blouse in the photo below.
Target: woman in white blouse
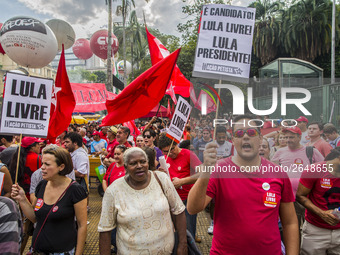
{"x": 137, "y": 206}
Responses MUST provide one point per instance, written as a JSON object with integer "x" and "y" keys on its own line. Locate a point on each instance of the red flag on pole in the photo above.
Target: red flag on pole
{"x": 168, "y": 110}
{"x": 158, "y": 52}
{"x": 63, "y": 102}
{"x": 211, "y": 105}
{"x": 133, "y": 129}
{"x": 143, "y": 94}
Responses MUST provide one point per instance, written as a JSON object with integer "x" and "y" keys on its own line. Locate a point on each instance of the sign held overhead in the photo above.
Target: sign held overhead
{"x": 224, "y": 43}
{"x": 26, "y": 105}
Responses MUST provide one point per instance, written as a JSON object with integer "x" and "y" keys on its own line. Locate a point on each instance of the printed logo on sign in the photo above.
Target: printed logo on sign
{"x": 326, "y": 183}
{"x": 270, "y": 199}
{"x": 39, "y": 204}
{"x": 55, "y": 208}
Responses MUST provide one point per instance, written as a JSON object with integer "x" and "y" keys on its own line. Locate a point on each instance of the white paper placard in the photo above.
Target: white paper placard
{"x": 179, "y": 119}
{"x": 26, "y": 105}
{"x": 224, "y": 43}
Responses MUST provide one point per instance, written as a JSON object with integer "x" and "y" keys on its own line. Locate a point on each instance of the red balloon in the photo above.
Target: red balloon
{"x": 1, "y": 49}
{"x": 81, "y": 49}
{"x": 98, "y": 44}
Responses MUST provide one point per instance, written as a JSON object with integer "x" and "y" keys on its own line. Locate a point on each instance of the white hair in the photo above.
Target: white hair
{"x": 129, "y": 152}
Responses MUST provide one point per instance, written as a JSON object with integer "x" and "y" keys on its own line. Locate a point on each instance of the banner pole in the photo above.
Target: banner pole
{"x": 158, "y": 108}
{"x": 217, "y": 108}
{"x": 169, "y": 149}
{"x": 16, "y": 172}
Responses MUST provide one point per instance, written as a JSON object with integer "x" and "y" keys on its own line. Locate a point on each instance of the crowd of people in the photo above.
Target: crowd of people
{"x": 155, "y": 187}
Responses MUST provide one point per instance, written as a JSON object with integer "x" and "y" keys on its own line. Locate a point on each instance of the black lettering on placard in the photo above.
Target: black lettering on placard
{"x": 212, "y": 25}
{"x": 238, "y": 28}
{"x": 42, "y": 91}
{"x": 224, "y": 55}
{"x": 183, "y": 109}
{"x": 178, "y": 122}
{"x": 27, "y": 90}
{"x": 231, "y": 13}
{"x": 26, "y": 111}
{"x": 224, "y": 43}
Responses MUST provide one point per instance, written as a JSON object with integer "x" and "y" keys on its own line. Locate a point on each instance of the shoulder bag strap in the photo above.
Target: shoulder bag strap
{"x": 108, "y": 179}
{"x": 50, "y": 212}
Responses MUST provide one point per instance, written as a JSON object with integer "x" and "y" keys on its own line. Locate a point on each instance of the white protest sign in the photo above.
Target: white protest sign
{"x": 26, "y": 105}
{"x": 224, "y": 43}
{"x": 179, "y": 119}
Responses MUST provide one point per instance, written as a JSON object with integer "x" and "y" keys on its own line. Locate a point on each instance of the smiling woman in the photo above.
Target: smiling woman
{"x": 136, "y": 207}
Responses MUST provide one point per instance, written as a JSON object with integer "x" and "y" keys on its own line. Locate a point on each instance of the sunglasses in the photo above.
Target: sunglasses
{"x": 165, "y": 152}
{"x": 251, "y": 132}
{"x": 147, "y": 136}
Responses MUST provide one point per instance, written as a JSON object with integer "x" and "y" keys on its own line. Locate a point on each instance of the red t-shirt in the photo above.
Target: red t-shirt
{"x": 110, "y": 145}
{"x": 247, "y": 211}
{"x": 115, "y": 144}
{"x": 180, "y": 167}
{"x": 325, "y": 193}
{"x": 114, "y": 173}
{"x": 33, "y": 162}
{"x": 102, "y": 136}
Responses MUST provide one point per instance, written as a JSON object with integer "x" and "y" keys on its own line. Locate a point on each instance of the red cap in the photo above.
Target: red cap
{"x": 294, "y": 130}
{"x": 302, "y": 118}
{"x": 27, "y": 141}
{"x": 95, "y": 133}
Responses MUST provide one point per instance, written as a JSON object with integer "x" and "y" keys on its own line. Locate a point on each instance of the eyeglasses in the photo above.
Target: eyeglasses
{"x": 165, "y": 152}
{"x": 250, "y": 132}
{"x": 147, "y": 136}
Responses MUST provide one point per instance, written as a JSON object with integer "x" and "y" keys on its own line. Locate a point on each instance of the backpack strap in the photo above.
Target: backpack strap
{"x": 309, "y": 153}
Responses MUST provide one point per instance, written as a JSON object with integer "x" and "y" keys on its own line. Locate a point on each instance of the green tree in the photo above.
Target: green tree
{"x": 101, "y": 76}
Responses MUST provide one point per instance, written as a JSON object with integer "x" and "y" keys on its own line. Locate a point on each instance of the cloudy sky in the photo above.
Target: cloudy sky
{"x": 88, "y": 16}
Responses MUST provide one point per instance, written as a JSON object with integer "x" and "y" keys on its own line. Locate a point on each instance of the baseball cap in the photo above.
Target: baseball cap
{"x": 95, "y": 133}
{"x": 27, "y": 141}
{"x": 302, "y": 118}
{"x": 294, "y": 130}
{"x": 113, "y": 129}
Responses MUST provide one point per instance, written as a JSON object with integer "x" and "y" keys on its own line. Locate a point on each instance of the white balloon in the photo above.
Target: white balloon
{"x": 120, "y": 67}
{"x": 28, "y": 42}
{"x": 63, "y": 31}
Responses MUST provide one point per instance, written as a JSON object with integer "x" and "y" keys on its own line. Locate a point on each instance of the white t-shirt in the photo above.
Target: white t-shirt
{"x": 224, "y": 150}
{"x": 304, "y": 138}
{"x": 142, "y": 217}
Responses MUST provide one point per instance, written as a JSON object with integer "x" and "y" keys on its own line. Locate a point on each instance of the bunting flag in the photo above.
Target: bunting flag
{"x": 143, "y": 94}
{"x": 170, "y": 91}
{"x": 63, "y": 102}
{"x": 211, "y": 102}
{"x": 158, "y": 52}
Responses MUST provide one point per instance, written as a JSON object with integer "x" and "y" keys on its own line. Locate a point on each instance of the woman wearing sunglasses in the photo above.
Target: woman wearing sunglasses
{"x": 149, "y": 136}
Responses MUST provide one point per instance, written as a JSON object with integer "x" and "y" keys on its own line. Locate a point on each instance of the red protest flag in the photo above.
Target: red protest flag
{"x": 133, "y": 129}
{"x": 63, "y": 102}
{"x": 158, "y": 52}
{"x": 142, "y": 95}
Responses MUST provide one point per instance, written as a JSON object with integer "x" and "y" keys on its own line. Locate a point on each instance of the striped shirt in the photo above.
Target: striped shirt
{"x": 10, "y": 227}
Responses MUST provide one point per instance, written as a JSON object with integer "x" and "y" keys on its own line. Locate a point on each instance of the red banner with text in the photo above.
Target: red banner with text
{"x": 90, "y": 97}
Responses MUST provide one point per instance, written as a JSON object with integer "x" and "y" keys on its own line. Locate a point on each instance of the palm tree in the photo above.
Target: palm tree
{"x": 267, "y": 30}
{"x": 306, "y": 29}
{"x": 125, "y": 9}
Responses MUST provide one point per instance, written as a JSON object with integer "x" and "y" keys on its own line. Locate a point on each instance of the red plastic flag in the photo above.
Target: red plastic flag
{"x": 170, "y": 91}
{"x": 63, "y": 102}
{"x": 133, "y": 129}
{"x": 211, "y": 105}
{"x": 158, "y": 52}
{"x": 168, "y": 110}
{"x": 142, "y": 95}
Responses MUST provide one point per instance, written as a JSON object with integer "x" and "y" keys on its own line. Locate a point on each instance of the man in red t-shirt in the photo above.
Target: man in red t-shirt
{"x": 247, "y": 204}
{"x": 319, "y": 192}
{"x": 182, "y": 165}
{"x": 121, "y": 138}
